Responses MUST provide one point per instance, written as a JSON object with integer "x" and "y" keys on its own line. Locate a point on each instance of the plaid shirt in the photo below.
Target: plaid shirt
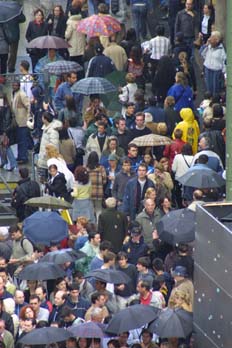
{"x": 98, "y": 180}
{"x": 159, "y": 46}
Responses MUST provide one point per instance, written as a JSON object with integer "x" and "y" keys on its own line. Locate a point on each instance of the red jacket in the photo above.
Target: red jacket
{"x": 172, "y": 150}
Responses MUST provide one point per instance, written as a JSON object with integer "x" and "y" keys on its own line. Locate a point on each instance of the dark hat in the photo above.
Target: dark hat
{"x": 180, "y": 271}
{"x": 136, "y": 230}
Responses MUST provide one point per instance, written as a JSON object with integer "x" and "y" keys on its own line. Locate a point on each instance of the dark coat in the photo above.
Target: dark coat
{"x": 34, "y": 30}
{"x": 80, "y": 307}
{"x": 100, "y": 66}
{"x": 61, "y": 25}
{"x": 121, "y": 179}
{"x": 135, "y": 250}
{"x": 112, "y": 226}
{"x": 58, "y": 186}
{"x": 8, "y": 321}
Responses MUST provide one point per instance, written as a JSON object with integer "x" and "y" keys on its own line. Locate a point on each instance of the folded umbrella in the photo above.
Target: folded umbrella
{"x": 172, "y": 323}
{"x": 62, "y": 67}
{"x": 93, "y": 85}
{"x": 201, "y": 178}
{"x": 87, "y": 330}
{"x": 45, "y": 227}
{"x": 41, "y": 271}
{"x": 9, "y": 10}
{"x": 99, "y": 25}
{"x": 109, "y": 276}
{"x": 61, "y": 256}
{"x": 132, "y": 317}
{"x": 45, "y": 335}
{"x": 178, "y": 226}
{"x": 48, "y": 202}
{"x": 151, "y": 140}
{"x": 48, "y": 41}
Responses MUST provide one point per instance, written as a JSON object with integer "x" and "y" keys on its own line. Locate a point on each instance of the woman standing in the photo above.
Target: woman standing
{"x": 82, "y": 204}
{"x": 181, "y": 92}
{"x": 57, "y": 22}
{"x": 67, "y": 148}
{"x": 37, "y": 27}
{"x": 206, "y": 23}
{"x": 56, "y": 185}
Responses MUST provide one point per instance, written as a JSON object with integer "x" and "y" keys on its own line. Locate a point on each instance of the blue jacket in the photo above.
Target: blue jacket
{"x": 130, "y": 206}
{"x": 158, "y": 114}
{"x": 100, "y": 66}
{"x": 62, "y": 91}
{"x": 183, "y": 96}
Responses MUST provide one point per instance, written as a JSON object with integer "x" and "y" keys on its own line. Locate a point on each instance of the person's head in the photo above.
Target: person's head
{"x": 113, "y": 343}
{"x": 99, "y": 285}
{"x": 29, "y": 325}
{"x": 58, "y": 11}
{"x": 94, "y": 238}
{"x": 67, "y": 314}
{"x": 189, "y": 5}
{"x": 27, "y": 312}
{"x": 130, "y": 78}
{"x": 3, "y": 261}
{"x": 165, "y": 163}
{"x": 146, "y": 336}
{"x": 131, "y": 34}
{"x": 139, "y": 96}
{"x": 158, "y": 265}
{"x": 63, "y": 134}
{"x": 60, "y": 284}
{"x": 72, "y": 77}
{"x": 110, "y": 202}
{"x": 181, "y": 297}
{"x": 109, "y": 258}
{"x": 81, "y": 175}
{"x": 166, "y": 203}
{"x": 215, "y": 38}
{"x": 16, "y": 86}
{"x": 203, "y": 159}
{"x": 97, "y": 315}
{"x": 53, "y": 170}
{"x": 123, "y": 338}
{"x": 4, "y": 235}
{"x": 132, "y": 150}
{"x": 159, "y": 169}
{"x": 187, "y": 150}
{"x": 41, "y": 292}
{"x": 143, "y": 264}
{"x": 197, "y": 195}
{"x": 4, "y": 275}
{"x": 101, "y": 127}
{"x": 70, "y": 104}
{"x": 160, "y": 30}
{"x": 84, "y": 342}
{"x": 169, "y": 102}
{"x": 148, "y": 158}
{"x": 16, "y": 232}
{"x": 47, "y": 117}
{"x": 51, "y": 53}
{"x": 183, "y": 57}
{"x": 204, "y": 143}
{"x": 112, "y": 143}
{"x": 130, "y": 109}
{"x": 39, "y": 15}
{"x": 143, "y": 287}
{"x": 120, "y": 124}
{"x": 92, "y": 160}
{"x": 59, "y": 298}
{"x": 179, "y": 273}
{"x": 181, "y": 78}
{"x": 208, "y": 9}
{"x": 142, "y": 171}
{"x": 2, "y": 326}
{"x": 126, "y": 166}
{"x": 103, "y": 8}
{"x": 136, "y": 54}
{"x": 149, "y": 205}
{"x": 71, "y": 342}
{"x": 122, "y": 259}
{"x": 74, "y": 289}
{"x": 178, "y": 133}
{"x": 24, "y": 67}
{"x": 98, "y": 48}
{"x": 151, "y": 193}
{"x": 218, "y": 111}
{"x": 51, "y": 151}
{"x": 35, "y": 302}
{"x": 98, "y": 299}
{"x": 105, "y": 246}
{"x": 135, "y": 230}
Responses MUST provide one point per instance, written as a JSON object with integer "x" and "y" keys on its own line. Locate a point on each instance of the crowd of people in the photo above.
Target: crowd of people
{"x": 89, "y": 157}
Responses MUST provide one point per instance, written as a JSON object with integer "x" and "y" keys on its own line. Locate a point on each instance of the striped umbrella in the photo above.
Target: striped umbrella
{"x": 93, "y": 85}
{"x": 62, "y": 67}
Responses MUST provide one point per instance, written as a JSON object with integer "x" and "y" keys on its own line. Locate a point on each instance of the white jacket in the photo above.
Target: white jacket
{"x": 74, "y": 38}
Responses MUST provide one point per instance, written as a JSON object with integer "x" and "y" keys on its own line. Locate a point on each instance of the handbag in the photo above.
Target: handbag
{"x": 31, "y": 121}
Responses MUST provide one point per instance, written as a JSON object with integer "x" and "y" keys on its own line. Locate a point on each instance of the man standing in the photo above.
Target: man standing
{"x": 100, "y": 65}
{"x": 91, "y": 249}
{"x": 40, "y": 313}
{"x": 21, "y": 106}
{"x": 98, "y": 141}
{"x": 19, "y": 301}
{"x": 124, "y": 135}
{"x": 135, "y": 191}
{"x": 140, "y": 129}
{"x": 116, "y": 53}
{"x": 133, "y": 156}
{"x": 59, "y": 303}
{"x": 98, "y": 301}
{"x": 64, "y": 90}
{"x": 78, "y": 304}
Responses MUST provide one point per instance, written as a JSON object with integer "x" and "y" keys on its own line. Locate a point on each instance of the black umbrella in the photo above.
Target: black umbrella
{"x": 9, "y": 10}
{"x": 87, "y": 330}
{"x": 41, "y": 271}
{"x": 201, "y": 178}
{"x": 62, "y": 256}
{"x": 109, "y": 276}
{"x": 45, "y": 335}
{"x": 132, "y": 317}
{"x": 172, "y": 323}
{"x": 178, "y": 226}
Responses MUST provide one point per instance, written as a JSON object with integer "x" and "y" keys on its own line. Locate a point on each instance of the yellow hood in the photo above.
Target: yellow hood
{"x": 187, "y": 115}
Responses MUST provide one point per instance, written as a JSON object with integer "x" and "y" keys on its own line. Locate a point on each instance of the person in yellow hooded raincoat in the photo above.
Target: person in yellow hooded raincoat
{"x": 189, "y": 127}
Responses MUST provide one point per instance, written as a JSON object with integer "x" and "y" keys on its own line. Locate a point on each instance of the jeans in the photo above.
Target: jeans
{"x": 22, "y": 140}
{"x": 213, "y": 80}
{"x": 11, "y": 157}
{"x": 139, "y": 14}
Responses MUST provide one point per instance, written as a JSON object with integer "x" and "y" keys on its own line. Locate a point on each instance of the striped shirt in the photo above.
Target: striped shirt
{"x": 159, "y": 46}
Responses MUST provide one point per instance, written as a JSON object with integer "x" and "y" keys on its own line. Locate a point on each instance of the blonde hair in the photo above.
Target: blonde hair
{"x": 130, "y": 78}
{"x": 182, "y": 295}
{"x": 181, "y": 78}
{"x": 148, "y": 192}
{"x": 162, "y": 128}
{"x": 82, "y": 220}
{"x": 51, "y": 151}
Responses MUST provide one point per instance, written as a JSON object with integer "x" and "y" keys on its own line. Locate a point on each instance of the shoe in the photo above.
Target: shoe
{"x": 11, "y": 169}
{"x": 3, "y": 164}
{"x": 22, "y": 162}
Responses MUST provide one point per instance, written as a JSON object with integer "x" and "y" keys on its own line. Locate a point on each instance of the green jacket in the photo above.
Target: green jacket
{"x": 148, "y": 224}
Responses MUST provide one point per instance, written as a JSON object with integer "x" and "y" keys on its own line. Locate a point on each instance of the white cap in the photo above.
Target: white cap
{"x": 4, "y": 231}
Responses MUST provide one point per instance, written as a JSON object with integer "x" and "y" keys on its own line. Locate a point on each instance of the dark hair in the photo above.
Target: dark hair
{"x": 217, "y": 111}
{"x": 187, "y": 150}
{"x": 131, "y": 35}
{"x": 158, "y": 264}
{"x": 47, "y": 116}
{"x": 131, "y": 145}
{"x": 69, "y": 74}
{"x": 95, "y": 296}
{"x": 52, "y": 166}
{"x": 92, "y": 235}
{"x": 109, "y": 256}
{"x": 66, "y": 311}
{"x": 70, "y": 103}
{"x": 14, "y": 228}
{"x": 4, "y": 270}
{"x": 105, "y": 245}
{"x": 145, "y": 284}
{"x": 136, "y": 54}
{"x": 24, "y": 172}
{"x": 81, "y": 175}
{"x": 114, "y": 342}
{"x": 93, "y": 160}
{"x": 142, "y": 165}
{"x": 178, "y": 133}
{"x": 146, "y": 331}
{"x": 144, "y": 261}
{"x": 61, "y": 9}
{"x": 101, "y": 123}
{"x": 203, "y": 159}
{"x": 63, "y": 134}
{"x": 40, "y": 324}
{"x": 160, "y": 30}
{"x": 35, "y": 297}
{"x": 72, "y": 122}
{"x": 129, "y": 104}
{"x": 25, "y": 64}
{"x": 98, "y": 48}
{"x": 74, "y": 286}
{"x": 43, "y": 289}
{"x": 37, "y": 11}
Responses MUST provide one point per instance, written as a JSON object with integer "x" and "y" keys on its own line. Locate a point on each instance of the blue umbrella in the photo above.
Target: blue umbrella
{"x": 9, "y": 10}
{"x": 45, "y": 227}
{"x": 93, "y": 85}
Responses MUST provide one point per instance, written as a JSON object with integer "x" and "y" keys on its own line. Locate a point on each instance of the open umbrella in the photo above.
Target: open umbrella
{"x": 93, "y": 85}
{"x": 48, "y": 41}
{"x": 41, "y": 271}
{"x": 132, "y": 317}
{"x": 172, "y": 323}
{"x": 45, "y": 335}
{"x": 151, "y": 140}
{"x": 87, "y": 330}
{"x": 178, "y": 226}
{"x": 110, "y": 100}
{"x": 109, "y": 276}
{"x": 98, "y": 25}
{"x": 201, "y": 178}
{"x": 48, "y": 202}
{"x": 62, "y": 67}
{"x": 45, "y": 227}
{"x": 9, "y": 10}
{"x": 62, "y": 256}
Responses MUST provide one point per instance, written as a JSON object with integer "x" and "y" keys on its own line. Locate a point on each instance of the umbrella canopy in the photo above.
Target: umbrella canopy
{"x": 172, "y": 323}
{"x": 62, "y": 67}
{"x": 61, "y": 256}
{"x": 98, "y": 25}
{"x": 45, "y": 335}
{"x": 87, "y": 330}
{"x": 48, "y": 202}
{"x": 9, "y": 10}
{"x": 45, "y": 227}
{"x": 93, "y": 85}
{"x": 110, "y": 100}
{"x": 178, "y": 226}
{"x": 132, "y": 317}
{"x": 201, "y": 178}
{"x": 109, "y": 276}
{"x": 41, "y": 271}
{"x": 151, "y": 140}
{"x": 48, "y": 41}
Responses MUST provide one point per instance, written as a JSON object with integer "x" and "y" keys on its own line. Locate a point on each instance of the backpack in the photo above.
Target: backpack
{"x": 21, "y": 244}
